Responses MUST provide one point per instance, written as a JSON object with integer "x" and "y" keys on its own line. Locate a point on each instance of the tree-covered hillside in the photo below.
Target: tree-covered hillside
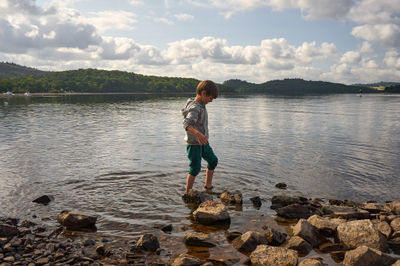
{"x": 295, "y": 87}
{"x": 393, "y": 89}
{"x": 11, "y": 70}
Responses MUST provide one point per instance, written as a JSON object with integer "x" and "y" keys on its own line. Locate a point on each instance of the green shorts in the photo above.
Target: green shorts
{"x": 195, "y": 153}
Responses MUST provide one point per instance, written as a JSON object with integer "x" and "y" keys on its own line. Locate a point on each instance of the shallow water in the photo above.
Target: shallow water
{"x": 123, "y": 157}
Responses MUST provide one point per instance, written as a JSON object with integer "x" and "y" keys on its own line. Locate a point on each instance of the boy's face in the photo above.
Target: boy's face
{"x": 206, "y": 98}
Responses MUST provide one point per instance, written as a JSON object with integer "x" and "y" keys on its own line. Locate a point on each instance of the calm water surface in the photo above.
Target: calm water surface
{"x": 123, "y": 157}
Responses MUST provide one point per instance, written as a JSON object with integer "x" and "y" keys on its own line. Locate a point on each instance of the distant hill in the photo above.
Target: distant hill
{"x": 11, "y": 70}
{"x": 295, "y": 87}
{"x": 18, "y": 78}
{"x": 393, "y": 89}
{"x": 381, "y": 84}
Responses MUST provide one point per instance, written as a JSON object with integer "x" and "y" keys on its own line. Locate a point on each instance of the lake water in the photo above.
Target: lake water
{"x": 122, "y": 157}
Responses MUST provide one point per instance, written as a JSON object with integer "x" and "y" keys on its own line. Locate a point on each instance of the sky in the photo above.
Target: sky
{"x": 346, "y": 41}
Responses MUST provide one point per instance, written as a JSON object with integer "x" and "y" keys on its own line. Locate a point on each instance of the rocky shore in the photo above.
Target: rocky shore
{"x": 349, "y": 233}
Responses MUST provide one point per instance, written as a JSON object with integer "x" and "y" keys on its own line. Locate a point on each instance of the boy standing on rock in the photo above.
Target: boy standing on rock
{"x": 195, "y": 123}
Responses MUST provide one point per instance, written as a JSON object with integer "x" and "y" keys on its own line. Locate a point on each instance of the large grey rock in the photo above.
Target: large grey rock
{"x": 361, "y": 232}
{"x": 282, "y": 201}
{"x": 300, "y": 245}
{"x": 211, "y": 212}
{"x": 308, "y": 232}
{"x": 76, "y": 221}
{"x": 277, "y": 256}
{"x": 249, "y": 241}
{"x": 148, "y": 242}
{"x": 198, "y": 239}
{"x": 311, "y": 262}
{"x": 231, "y": 198}
{"x": 186, "y": 260}
{"x": 325, "y": 225}
{"x": 294, "y": 211}
{"x": 365, "y": 256}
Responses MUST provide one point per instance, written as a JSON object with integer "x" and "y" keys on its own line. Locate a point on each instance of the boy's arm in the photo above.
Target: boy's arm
{"x": 202, "y": 139}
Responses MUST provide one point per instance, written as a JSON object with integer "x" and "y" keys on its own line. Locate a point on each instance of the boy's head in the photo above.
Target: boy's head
{"x": 209, "y": 87}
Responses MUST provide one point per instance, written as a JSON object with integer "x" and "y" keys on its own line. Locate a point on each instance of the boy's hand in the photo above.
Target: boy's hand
{"x": 202, "y": 139}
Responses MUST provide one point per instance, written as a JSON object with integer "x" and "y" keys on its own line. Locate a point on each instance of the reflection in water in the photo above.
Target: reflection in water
{"x": 123, "y": 156}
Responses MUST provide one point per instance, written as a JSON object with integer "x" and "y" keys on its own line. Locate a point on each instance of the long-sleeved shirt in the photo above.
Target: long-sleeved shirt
{"x": 195, "y": 115}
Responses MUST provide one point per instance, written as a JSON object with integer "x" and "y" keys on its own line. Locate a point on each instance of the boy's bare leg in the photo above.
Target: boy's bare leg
{"x": 209, "y": 177}
{"x": 189, "y": 182}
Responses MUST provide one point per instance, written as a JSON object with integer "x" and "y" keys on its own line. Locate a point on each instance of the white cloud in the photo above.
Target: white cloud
{"x": 385, "y": 34}
{"x": 135, "y": 2}
{"x": 105, "y": 20}
{"x": 183, "y": 17}
{"x": 351, "y": 57}
{"x": 164, "y": 20}
{"x": 392, "y": 59}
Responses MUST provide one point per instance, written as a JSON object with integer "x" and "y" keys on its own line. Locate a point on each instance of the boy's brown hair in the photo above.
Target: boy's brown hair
{"x": 208, "y": 86}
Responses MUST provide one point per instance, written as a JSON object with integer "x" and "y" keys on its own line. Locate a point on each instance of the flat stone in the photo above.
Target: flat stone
{"x": 186, "y": 260}
{"x": 312, "y": 262}
{"x": 275, "y": 237}
{"x": 7, "y": 230}
{"x": 211, "y": 212}
{"x": 282, "y": 201}
{"x": 277, "y": 256}
{"x": 383, "y": 227}
{"x": 196, "y": 197}
{"x": 45, "y": 199}
{"x": 198, "y": 239}
{"x": 372, "y": 207}
{"x": 294, "y": 211}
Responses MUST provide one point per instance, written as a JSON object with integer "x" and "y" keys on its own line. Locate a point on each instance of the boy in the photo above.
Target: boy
{"x": 195, "y": 123}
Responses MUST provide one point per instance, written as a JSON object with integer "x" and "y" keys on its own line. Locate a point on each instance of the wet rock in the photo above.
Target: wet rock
{"x": 101, "y": 249}
{"x": 300, "y": 245}
{"x": 330, "y": 247}
{"x": 312, "y": 262}
{"x": 395, "y": 224}
{"x": 76, "y": 221}
{"x": 186, "y": 260}
{"x": 198, "y": 240}
{"x": 372, "y": 207}
{"x": 249, "y": 241}
{"x": 361, "y": 232}
{"x": 231, "y": 198}
{"x": 394, "y": 243}
{"x": 194, "y": 196}
{"x": 365, "y": 256}
{"x": 148, "y": 242}
{"x": 275, "y": 237}
{"x": 45, "y": 199}
{"x": 7, "y": 230}
{"x": 294, "y": 211}
{"x": 232, "y": 235}
{"x": 394, "y": 207}
{"x": 27, "y": 224}
{"x": 281, "y": 186}
{"x": 345, "y": 212}
{"x": 308, "y": 232}
{"x": 166, "y": 228}
{"x": 282, "y": 201}
{"x": 277, "y": 256}
{"x": 326, "y": 226}
{"x": 256, "y": 201}
{"x": 211, "y": 212}
{"x": 383, "y": 227}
